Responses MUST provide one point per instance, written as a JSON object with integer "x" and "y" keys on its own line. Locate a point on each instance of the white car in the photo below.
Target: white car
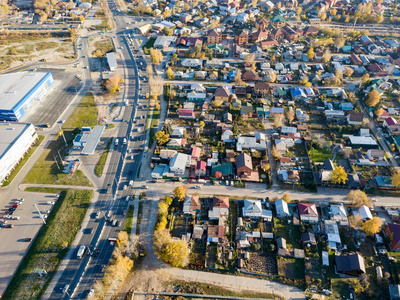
{"x": 97, "y": 215}
{"x": 50, "y": 203}
{"x": 125, "y": 187}
{"x": 15, "y": 217}
{"x": 3, "y": 221}
{"x": 44, "y": 216}
{"x": 197, "y": 187}
{"x": 57, "y": 195}
{"x": 128, "y": 198}
{"x": 7, "y": 217}
{"x": 374, "y": 200}
{"x": 21, "y": 199}
{"x": 46, "y": 211}
{"x": 91, "y": 293}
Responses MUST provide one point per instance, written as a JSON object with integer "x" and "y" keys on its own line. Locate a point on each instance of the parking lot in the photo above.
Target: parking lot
{"x": 60, "y": 94}
{"x": 13, "y": 245}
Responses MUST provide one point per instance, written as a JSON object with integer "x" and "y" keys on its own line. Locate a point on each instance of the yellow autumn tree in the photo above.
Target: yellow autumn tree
{"x": 180, "y": 193}
{"x": 370, "y": 227}
{"x": 339, "y": 175}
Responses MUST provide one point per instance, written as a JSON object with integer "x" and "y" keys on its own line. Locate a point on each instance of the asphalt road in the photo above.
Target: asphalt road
{"x": 81, "y": 274}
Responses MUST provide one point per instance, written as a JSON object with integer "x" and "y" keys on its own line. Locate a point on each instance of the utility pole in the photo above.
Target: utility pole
{"x": 62, "y": 133}
{"x": 55, "y": 159}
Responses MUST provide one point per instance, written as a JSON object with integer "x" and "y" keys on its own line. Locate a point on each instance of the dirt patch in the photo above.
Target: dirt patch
{"x": 262, "y": 263}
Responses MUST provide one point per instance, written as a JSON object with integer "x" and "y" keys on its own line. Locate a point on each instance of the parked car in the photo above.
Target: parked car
{"x": 9, "y": 226}
{"x": 46, "y": 211}
{"x": 125, "y": 187}
{"x": 21, "y": 199}
{"x": 145, "y": 187}
{"x": 197, "y": 186}
{"x": 15, "y": 205}
{"x": 15, "y": 217}
{"x": 27, "y": 239}
{"x": 97, "y": 215}
{"x": 12, "y": 209}
{"x": 65, "y": 288}
{"x": 3, "y": 221}
{"x": 50, "y": 203}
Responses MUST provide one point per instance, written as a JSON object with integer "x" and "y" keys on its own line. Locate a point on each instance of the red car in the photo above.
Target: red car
{"x": 15, "y": 205}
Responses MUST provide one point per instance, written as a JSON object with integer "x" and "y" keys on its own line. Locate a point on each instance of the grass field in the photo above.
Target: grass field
{"x": 49, "y": 190}
{"x": 50, "y": 246}
{"x": 98, "y": 169}
{"x": 320, "y": 155}
{"x": 154, "y": 124}
{"x": 102, "y": 47}
{"x": 128, "y": 221}
{"x": 45, "y": 170}
{"x": 24, "y": 160}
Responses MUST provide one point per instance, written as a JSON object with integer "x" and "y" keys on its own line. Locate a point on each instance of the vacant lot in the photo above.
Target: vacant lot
{"x": 320, "y": 155}
{"x": 46, "y": 170}
{"x": 101, "y": 47}
{"x": 50, "y": 246}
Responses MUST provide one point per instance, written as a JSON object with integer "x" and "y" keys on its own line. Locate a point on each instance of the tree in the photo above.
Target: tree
{"x": 272, "y": 77}
{"x": 112, "y": 84}
{"x": 170, "y": 73}
{"x": 339, "y": 175}
{"x": 186, "y": 7}
{"x": 358, "y": 198}
{"x": 155, "y": 56}
{"x": 275, "y": 153}
{"x": 161, "y": 137}
{"x": 370, "y": 227}
{"x": 339, "y": 42}
{"x": 348, "y": 72}
{"x": 333, "y": 12}
{"x": 299, "y": 11}
{"x": 396, "y": 179}
{"x": 278, "y": 120}
{"x": 355, "y": 221}
{"x": 180, "y": 193}
{"x": 373, "y": 98}
{"x": 202, "y": 124}
{"x": 250, "y": 58}
{"x": 365, "y": 79}
{"x": 176, "y": 253}
{"x": 286, "y": 198}
{"x": 255, "y": 3}
{"x": 174, "y": 59}
{"x": 378, "y": 111}
{"x": 310, "y": 53}
{"x": 327, "y": 56}
{"x": 289, "y": 115}
{"x": 238, "y": 77}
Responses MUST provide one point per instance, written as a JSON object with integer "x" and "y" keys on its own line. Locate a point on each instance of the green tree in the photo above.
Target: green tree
{"x": 180, "y": 193}
{"x": 161, "y": 137}
{"x": 339, "y": 175}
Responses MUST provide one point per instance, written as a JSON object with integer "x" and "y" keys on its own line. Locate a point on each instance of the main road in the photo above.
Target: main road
{"x": 111, "y": 200}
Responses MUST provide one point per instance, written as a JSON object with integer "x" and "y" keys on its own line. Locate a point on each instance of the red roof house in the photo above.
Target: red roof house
{"x": 308, "y": 212}
{"x": 392, "y": 230}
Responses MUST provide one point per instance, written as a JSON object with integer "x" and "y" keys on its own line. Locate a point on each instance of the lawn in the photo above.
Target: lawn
{"x": 149, "y": 44}
{"x": 154, "y": 124}
{"x": 128, "y": 221}
{"x": 23, "y": 161}
{"x": 102, "y": 160}
{"x": 292, "y": 268}
{"x": 50, "y": 246}
{"x": 46, "y": 170}
{"x": 44, "y": 190}
{"x": 103, "y": 47}
{"x": 320, "y": 155}
{"x": 281, "y": 230}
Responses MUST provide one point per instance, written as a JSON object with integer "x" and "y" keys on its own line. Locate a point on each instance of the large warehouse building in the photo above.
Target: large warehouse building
{"x": 16, "y": 139}
{"x": 19, "y": 91}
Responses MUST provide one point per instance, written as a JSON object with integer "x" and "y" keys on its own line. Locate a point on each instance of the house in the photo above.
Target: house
{"x": 392, "y": 231}
{"x": 355, "y": 118}
{"x": 227, "y": 118}
{"x": 222, "y": 95}
{"x": 394, "y": 58}
{"x": 389, "y": 122}
{"x": 244, "y": 165}
{"x": 250, "y": 75}
{"x": 366, "y": 142}
{"x": 308, "y": 238}
{"x": 261, "y": 88}
{"x": 214, "y": 37}
{"x": 184, "y": 113}
{"x": 278, "y": 21}
{"x": 191, "y": 62}
{"x": 310, "y": 30}
{"x": 196, "y": 153}
{"x": 200, "y": 169}
{"x": 215, "y": 233}
{"x": 176, "y": 143}
{"x": 365, "y": 40}
{"x": 355, "y": 59}
{"x": 259, "y": 36}
{"x": 220, "y": 208}
{"x": 268, "y": 43}
{"x": 227, "y": 136}
{"x": 262, "y": 24}
{"x": 241, "y": 37}
{"x": 257, "y": 51}
{"x": 300, "y": 115}
{"x": 350, "y": 264}
{"x": 179, "y": 163}
{"x": 283, "y": 144}
{"x": 167, "y": 154}
{"x": 364, "y": 212}
{"x": 250, "y": 142}
{"x": 282, "y": 209}
{"x": 225, "y": 169}
{"x": 332, "y": 231}
{"x": 338, "y": 213}
{"x": 394, "y": 291}
{"x": 253, "y": 209}
{"x": 177, "y": 132}
{"x": 247, "y": 109}
{"x": 213, "y": 75}
{"x": 191, "y": 204}
{"x": 376, "y": 154}
{"x": 308, "y": 212}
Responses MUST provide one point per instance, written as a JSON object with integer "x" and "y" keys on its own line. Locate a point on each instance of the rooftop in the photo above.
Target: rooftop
{"x": 9, "y": 133}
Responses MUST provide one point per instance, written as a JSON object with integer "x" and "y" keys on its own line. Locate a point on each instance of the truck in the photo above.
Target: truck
{"x": 81, "y": 251}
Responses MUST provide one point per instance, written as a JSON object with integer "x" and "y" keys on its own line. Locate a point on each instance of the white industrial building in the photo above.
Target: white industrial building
{"x": 16, "y": 139}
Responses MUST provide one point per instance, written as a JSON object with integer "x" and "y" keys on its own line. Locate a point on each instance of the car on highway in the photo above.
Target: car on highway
{"x": 65, "y": 288}
{"x": 145, "y": 187}
{"x": 27, "y": 239}
{"x": 50, "y": 203}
